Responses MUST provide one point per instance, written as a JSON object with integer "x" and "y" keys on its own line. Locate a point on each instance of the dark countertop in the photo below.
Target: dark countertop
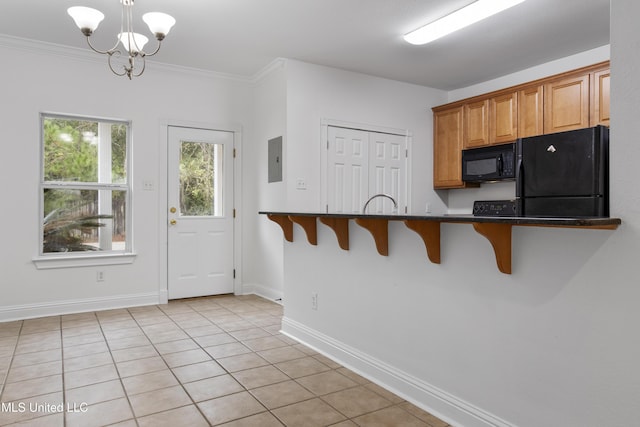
{"x": 531, "y": 221}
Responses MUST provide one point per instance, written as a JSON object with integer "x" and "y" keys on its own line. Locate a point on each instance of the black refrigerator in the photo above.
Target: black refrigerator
{"x": 563, "y": 174}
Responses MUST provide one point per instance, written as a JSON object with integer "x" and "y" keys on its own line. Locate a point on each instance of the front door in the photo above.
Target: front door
{"x": 200, "y": 212}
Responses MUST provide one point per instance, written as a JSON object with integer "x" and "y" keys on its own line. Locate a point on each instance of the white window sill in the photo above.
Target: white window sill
{"x": 70, "y": 261}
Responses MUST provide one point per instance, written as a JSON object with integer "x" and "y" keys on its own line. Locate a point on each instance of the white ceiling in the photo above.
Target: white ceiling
{"x": 241, "y": 37}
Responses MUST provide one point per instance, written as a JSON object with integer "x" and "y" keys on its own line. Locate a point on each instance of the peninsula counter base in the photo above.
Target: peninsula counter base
{"x": 495, "y": 229}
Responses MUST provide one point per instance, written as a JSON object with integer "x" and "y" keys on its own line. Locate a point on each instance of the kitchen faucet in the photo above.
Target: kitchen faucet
{"x": 395, "y": 204}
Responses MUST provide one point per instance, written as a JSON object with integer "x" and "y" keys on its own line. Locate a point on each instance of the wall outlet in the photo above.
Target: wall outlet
{"x": 148, "y": 185}
{"x": 314, "y": 300}
{"x": 301, "y": 184}
{"x": 427, "y": 208}
{"x": 99, "y": 276}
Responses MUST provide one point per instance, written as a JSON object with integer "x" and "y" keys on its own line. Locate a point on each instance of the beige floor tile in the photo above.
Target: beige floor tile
{"x": 259, "y": 377}
{"x": 389, "y": 417}
{"x": 215, "y": 339}
{"x": 29, "y": 388}
{"x": 242, "y": 362}
{"x": 37, "y": 346}
{"x": 201, "y": 331}
{"x": 53, "y": 420}
{"x": 35, "y": 407}
{"x": 159, "y": 400}
{"x": 264, "y": 343}
{"x": 231, "y": 407}
{"x": 176, "y": 346}
{"x": 129, "y": 342}
{"x": 326, "y": 382}
{"x": 140, "y": 366}
{"x": 425, "y": 416}
{"x": 211, "y": 388}
{"x": 90, "y": 376}
{"x": 356, "y": 401}
{"x": 355, "y": 377}
{"x": 185, "y": 416}
{"x": 86, "y": 329}
{"x": 101, "y": 414}
{"x": 27, "y": 359}
{"x": 134, "y": 353}
{"x": 84, "y": 350}
{"x": 310, "y": 413}
{"x": 149, "y": 382}
{"x": 236, "y": 325}
{"x": 281, "y": 394}
{"x": 89, "y": 361}
{"x": 264, "y": 419}
{"x": 118, "y": 325}
{"x": 226, "y": 350}
{"x": 34, "y": 371}
{"x": 302, "y": 367}
{"x": 329, "y": 362}
{"x": 198, "y": 371}
{"x": 167, "y": 336}
{"x": 248, "y": 334}
{"x": 95, "y": 393}
{"x": 117, "y": 334}
{"x": 346, "y": 423}
{"x": 187, "y": 357}
{"x": 83, "y": 339}
{"x": 282, "y": 354}
{"x": 384, "y": 393}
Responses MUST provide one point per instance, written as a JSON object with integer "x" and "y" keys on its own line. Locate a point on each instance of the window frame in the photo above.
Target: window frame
{"x": 45, "y": 260}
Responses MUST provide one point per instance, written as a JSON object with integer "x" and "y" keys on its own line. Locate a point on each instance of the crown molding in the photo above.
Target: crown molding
{"x": 86, "y": 55}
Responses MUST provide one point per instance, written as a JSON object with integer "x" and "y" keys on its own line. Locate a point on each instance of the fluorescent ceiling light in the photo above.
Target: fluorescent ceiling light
{"x": 461, "y": 18}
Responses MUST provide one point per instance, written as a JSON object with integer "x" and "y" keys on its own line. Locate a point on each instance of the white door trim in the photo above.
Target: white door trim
{"x": 324, "y": 135}
{"x": 163, "y": 216}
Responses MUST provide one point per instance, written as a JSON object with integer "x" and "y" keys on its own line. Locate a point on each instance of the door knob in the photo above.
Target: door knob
{"x": 173, "y": 222}
{"x": 172, "y": 210}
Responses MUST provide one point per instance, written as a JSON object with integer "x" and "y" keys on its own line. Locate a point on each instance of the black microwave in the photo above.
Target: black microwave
{"x": 492, "y": 163}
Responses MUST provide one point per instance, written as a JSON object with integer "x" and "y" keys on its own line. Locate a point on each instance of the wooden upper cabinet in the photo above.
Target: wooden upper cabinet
{"x": 503, "y": 118}
{"x": 566, "y": 104}
{"x": 447, "y": 148}
{"x": 476, "y": 124}
{"x": 530, "y": 111}
{"x": 600, "y": 98}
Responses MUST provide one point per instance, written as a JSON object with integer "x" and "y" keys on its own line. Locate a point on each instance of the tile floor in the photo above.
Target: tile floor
{"x": 197, "y": 362}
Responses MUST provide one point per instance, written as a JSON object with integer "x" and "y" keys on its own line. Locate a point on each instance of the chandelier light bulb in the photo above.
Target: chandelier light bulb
{"x": 159, "y": 23}
{"x": 86, "y": 18}
{"x": 132, "y": 42}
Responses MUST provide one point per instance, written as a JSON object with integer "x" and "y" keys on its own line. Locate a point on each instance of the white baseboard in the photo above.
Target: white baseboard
{"x": 29, "y": 311}
{"x": 263, "y": 291}
{"x": 443, "y": 405}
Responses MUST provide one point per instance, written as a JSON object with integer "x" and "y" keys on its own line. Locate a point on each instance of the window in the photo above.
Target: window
{"x": 84, "y": 188}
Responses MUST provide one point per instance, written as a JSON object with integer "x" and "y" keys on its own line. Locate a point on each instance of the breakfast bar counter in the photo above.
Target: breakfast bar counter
{"x": 496, "y": 229}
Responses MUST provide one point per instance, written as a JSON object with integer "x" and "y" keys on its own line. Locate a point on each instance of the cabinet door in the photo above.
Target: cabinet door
{"x": 566, "y": 104}
{"x": 530, "y": 111}
{"x": 600, "y": 98}
{"x": 447, "y": 148}
{"x": 503, "y": 118}
{"x": 476, "y": 132}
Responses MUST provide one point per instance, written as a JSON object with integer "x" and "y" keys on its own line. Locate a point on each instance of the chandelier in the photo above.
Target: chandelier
{"x": 87, "y": 19}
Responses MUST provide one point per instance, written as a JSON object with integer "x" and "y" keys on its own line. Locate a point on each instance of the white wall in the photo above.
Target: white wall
{"x": 316, "y": 93}
{"x": 262, "y": 239}
{"x": 51, "y": 79}
{"x": 555, "y": 343}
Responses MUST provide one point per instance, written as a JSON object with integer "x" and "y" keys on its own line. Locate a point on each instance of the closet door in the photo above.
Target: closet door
{"x": 347, "y": 169}
{"x": 387, "y": 160}
{"x": 361, "y": 164}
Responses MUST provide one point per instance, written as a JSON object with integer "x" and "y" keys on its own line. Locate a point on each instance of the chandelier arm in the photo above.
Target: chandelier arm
{"x": 103, "y": 52}
{"x": 144, "y": 65}
{"x": 117, "y": 53}
{"x": 155, "y": 51}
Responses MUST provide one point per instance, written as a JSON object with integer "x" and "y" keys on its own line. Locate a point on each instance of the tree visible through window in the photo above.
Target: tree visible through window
{"x": 84, "y": 184}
